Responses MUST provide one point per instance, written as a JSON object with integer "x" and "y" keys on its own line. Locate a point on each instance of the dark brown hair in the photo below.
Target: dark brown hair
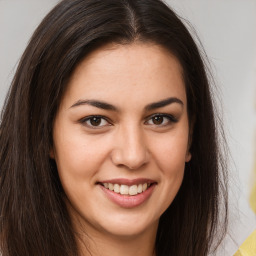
{"x": 34, "y": 219}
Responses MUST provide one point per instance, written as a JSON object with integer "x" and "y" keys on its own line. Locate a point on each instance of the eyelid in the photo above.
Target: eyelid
{"x": 171, "y": 118}
{"x": 87, "y": 118}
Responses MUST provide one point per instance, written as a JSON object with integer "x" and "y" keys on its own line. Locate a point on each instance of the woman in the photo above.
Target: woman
{"x": 109, "y": 142}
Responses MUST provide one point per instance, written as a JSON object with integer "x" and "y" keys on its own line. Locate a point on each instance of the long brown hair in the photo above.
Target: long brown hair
{"x": 34, "y": 219}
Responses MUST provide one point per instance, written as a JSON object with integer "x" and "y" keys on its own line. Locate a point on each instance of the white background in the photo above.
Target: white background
{"x": 227, "y": 29}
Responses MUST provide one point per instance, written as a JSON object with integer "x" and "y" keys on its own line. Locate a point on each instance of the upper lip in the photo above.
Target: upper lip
{"x": 128, "y": 182}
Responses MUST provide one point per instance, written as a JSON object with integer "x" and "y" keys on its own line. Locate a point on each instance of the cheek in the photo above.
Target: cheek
{"x": 171, "y": 162}
{"x": 170, "y": 156}
{"x": 78, "y": 161}
{"x": 79, "y": 156}
{"x": 171, "y": 153}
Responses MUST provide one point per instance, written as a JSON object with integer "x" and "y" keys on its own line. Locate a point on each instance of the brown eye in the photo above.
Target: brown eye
{"x": 161, "y": 120}
{"x": 95, "y": 121}
{"x": 157, "y": 120}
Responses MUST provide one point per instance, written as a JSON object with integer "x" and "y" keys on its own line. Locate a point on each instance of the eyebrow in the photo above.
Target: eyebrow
{"x": 95, "y": 103}
{"x": 163, "y": 103}
{"x": 107, "y": 106}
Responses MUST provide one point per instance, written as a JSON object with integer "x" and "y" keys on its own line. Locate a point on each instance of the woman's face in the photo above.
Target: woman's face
{"x": 121, "y": 138}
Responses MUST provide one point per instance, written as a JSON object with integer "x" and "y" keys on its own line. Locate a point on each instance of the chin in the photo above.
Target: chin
{"x": 128, "y": 229}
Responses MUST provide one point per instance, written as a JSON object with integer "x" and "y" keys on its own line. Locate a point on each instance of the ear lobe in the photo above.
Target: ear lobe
{"x": 188, "y": 157}
{"x": 191, "y": 129}
{"x": 188, "y": 154}
{"x": 51, "y": 153}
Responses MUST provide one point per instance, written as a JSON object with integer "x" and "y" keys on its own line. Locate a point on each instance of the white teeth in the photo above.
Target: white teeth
{"x": 127, "y": 190}
{"x": 116, "y": 188}
{"x": 133, "y": 190}
{"x": 144, "y": 187}
{"x": 139, "y": 188}
{"x": 124, "y": 190}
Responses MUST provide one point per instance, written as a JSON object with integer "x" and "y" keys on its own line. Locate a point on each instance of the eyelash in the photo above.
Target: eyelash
{"x": 170, "y": 119}
{"x": 90, "y": 118}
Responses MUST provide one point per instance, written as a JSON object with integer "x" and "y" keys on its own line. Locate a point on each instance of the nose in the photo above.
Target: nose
{"x": 130, "y": 149}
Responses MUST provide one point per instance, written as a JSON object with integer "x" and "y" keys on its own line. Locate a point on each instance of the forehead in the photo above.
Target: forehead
{"x": 139, "y": 71}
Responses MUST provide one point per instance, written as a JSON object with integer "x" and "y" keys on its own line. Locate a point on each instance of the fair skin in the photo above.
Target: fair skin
{"x": 108, "y": 130}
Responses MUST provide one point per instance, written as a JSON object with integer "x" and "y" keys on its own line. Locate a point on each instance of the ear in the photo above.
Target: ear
{"x": 191, "y": 128}
{"x": 188, "y": 154}
{"x": 188, "y": 157}
{"x": 51, "y": 153}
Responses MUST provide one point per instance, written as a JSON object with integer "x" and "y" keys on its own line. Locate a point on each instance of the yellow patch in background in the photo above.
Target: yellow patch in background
{"x": 253, "y": 196}
{"x": 248, "y": 248}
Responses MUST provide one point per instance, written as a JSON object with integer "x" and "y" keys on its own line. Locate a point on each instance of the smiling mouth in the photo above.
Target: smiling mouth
{"x": 122, "y": 189}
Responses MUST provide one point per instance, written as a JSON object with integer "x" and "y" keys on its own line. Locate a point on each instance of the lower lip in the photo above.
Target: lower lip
{"x": 127, "y": 201}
